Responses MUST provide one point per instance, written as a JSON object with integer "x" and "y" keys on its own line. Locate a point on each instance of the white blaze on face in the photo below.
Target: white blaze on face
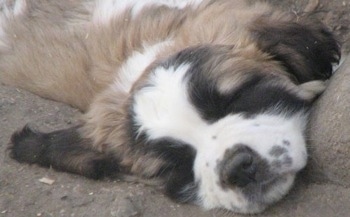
{"x": 105, "y": 10}
{"x": 163, "y": 109}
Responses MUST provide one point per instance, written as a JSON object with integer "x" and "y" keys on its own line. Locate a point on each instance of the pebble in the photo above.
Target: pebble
{"x": 125, "y": 208}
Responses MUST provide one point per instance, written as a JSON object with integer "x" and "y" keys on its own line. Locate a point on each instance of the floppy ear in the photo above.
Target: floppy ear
{"x": 305, "y": 48}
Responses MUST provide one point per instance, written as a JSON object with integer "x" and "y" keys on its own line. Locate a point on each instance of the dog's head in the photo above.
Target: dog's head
{"x": 225, "y": 123}
{"x": 228, "y": 120}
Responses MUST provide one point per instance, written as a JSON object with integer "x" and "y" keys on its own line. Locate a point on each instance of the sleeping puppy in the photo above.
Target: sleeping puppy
{"x": 208, "y": 97}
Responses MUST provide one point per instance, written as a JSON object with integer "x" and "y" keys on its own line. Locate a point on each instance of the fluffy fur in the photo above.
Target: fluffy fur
{"x": 209, "y": 97}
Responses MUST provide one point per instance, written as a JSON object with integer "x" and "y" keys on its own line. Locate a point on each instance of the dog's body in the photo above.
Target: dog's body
{"x": 209, "y": 97}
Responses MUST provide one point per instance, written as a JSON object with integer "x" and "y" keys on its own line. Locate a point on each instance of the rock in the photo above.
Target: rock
{"x": 125, "y": 208}
{"x": 330, "y": 131}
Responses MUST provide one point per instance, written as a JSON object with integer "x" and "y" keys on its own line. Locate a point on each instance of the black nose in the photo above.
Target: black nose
{"x": 240, "y": 169}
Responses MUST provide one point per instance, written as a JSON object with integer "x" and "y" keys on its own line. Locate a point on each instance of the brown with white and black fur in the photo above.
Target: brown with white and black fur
{"x": 208, "y": 97}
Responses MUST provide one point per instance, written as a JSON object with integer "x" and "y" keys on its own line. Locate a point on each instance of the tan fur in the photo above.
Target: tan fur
{"x": 88, "y": 63}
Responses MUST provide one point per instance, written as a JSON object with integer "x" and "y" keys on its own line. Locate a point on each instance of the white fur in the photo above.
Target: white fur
{"x": 3, "y": 38}
{"x": 155, "y": 112}
{"x": 164, "y": 110}
{"x": 8, "y": 11}
{"x": 106, "y": 10}
{"x": 19, "y": 7}
{"x": 260, "y": 134}
{"x": 136, "y": 64}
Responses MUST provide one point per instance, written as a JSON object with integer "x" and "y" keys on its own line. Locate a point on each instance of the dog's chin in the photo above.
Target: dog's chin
{"x": 253, "y": 198}
{"x": 261, "y": 195}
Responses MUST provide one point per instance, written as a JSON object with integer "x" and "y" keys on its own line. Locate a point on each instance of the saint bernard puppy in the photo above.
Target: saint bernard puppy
{"x": 210, "y": 98}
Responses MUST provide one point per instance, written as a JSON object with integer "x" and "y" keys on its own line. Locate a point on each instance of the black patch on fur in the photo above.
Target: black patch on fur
{"x": 64, "y": 150}
{"x": 277, "y": 151}
{"x": 307, "y": 50}
{"x": 285, "y": 161}
{"x": 286, "y": 142}
{"x": 255, "y": 95}
{"x": 178, "y": 168}
{"x": 251, "y": 98}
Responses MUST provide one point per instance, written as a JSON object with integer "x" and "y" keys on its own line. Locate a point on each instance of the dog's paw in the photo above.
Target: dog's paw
{"x": 27, "y": 146}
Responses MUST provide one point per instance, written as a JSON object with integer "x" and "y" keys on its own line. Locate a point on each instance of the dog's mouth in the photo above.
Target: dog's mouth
{"x": 259, "y": 195}
{"x": 244, "y": 172}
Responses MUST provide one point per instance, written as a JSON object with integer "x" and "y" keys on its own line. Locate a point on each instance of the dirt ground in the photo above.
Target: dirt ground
{"x": 322, "y": 190}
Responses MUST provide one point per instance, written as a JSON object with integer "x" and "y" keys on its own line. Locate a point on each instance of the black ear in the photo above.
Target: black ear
{"x": 305, "y": 48}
